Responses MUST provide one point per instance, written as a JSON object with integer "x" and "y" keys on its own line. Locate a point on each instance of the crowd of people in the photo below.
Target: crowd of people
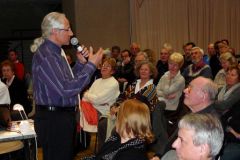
{"x": 129, "y": 97}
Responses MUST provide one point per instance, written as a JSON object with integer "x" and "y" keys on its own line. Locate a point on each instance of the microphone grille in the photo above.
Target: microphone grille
{"x": 74, "y": 41}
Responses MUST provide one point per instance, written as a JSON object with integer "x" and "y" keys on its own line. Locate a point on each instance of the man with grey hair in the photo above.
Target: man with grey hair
{"x": 200, "y": 137}
{"x": 199, "y": 97}
{"x": 198, "y": 68}
{"x": 56, "y": 86}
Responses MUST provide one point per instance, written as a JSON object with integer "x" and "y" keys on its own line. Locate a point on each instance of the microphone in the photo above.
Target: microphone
{"x": 76, "y": 45}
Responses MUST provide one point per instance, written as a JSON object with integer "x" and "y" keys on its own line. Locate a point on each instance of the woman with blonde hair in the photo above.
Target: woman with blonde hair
{"x": 133, "y": 128}
{"x": 227, "y": 60}
{"x": 172, "y": 83}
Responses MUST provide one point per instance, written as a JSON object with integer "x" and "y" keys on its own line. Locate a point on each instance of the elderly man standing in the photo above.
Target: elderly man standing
{"x": 198, "y": 68}
{"x": 56, "y": 86}
{"x": 199, "y": 98}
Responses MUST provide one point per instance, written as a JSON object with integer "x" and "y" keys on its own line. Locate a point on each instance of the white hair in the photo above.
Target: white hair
{"x": 200, "y": 49}
{"x": 50, "y": 21}
{"x": 207, "y": 130}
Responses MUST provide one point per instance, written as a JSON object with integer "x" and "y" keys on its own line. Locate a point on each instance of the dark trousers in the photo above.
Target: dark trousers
{"x": 55, "y": 132}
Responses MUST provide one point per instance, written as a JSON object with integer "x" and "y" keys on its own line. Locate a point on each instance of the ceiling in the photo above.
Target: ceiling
{"x": 22, "y": 18}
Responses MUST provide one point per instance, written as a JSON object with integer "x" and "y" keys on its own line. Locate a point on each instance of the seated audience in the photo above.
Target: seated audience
{"x": 226, "y": 59}
{"x": 133, "y": 129}
{"x": 200, "y": 137}
{"x": 198, "y": 68}
{"x": 229, "y": 94}
{"x": 143, "y": 88}
{"x": 104, "y": 91}
{"x": 172, "y": 83}
{"x": 16, "y": 87}
{"x": 101, "y": 95}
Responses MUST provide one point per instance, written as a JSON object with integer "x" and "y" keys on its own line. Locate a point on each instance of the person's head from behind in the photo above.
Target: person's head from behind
{"x": 133, "y": 120}
{"x": 196, "y": 55}
{"x": 200, "y": 137}
{"x": 55, "y": 26}
{"x": 108, "y": 67}
{"x": 200, "y": 93}
{"x": 175, "y": 62}
{"x": 12, "y": 55}
{"x": 8, "y": 69}
{"x": 145, "y": 70}
{"x": 227, "y": 60}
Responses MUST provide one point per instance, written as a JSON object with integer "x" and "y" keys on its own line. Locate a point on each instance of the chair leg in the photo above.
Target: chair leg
{"x": 96, "y": 144}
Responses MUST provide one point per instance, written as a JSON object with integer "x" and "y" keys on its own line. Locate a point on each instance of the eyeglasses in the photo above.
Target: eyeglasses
{"x": 63, "y": 29}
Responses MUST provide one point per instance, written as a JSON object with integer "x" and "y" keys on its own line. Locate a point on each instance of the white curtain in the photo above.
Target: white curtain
{"x": 154, "y": 22}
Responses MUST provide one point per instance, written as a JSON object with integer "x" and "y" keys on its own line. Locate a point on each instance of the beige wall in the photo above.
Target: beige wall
{"x": 100, "y": 23}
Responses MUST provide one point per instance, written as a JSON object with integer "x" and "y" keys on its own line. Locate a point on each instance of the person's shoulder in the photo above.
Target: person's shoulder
{"x": 170, "y": 155}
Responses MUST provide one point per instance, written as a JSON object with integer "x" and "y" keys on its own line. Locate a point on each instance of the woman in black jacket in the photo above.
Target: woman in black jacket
{"x": 133, "y": 133}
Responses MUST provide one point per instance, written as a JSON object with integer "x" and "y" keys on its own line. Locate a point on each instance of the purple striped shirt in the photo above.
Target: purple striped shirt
{"x": 52, "y": 80}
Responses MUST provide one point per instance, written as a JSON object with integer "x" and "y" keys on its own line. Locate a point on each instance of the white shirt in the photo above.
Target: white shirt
{"x": 4, "y": 94}
{"x": 102, "y": 94}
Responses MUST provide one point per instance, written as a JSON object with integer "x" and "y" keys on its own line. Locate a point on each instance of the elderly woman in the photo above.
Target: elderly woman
{"x": 172, "y": 83}
{"x": 229, "y": 93}
{"x": 16, "y": 87}
{"x": 97, "y": 100}
{"x": 104, "y": 91}
{"x": 226, "y": 59}
{"x": 143, "y": 88}
{"x": 133, "y": 129}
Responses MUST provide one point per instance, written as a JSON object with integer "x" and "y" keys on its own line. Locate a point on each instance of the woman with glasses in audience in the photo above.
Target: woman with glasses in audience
{"x": 104, "y": 91}
{"x": 101, "y": 96}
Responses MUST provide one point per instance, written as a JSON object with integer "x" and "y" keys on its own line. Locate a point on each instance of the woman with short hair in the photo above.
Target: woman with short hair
{"x": 172, "y": 83}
